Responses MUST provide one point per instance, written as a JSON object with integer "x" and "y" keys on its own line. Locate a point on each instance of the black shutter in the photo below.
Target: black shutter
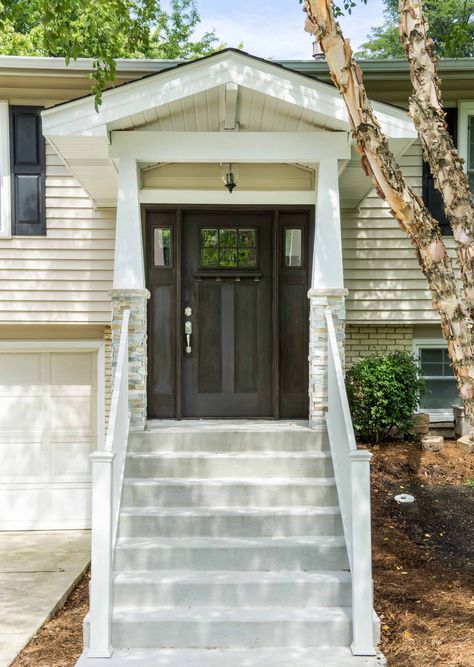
{"x": 28, "y": 171}
{"x": 431, "y": 196}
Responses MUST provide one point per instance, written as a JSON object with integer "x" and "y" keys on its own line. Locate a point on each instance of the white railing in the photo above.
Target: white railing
{"x": 352, "y": 473}
{"x": 107, "y": 481}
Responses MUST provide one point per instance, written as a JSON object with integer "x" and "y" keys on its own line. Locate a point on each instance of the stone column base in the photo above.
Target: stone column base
{"x": 134, "y": 300}
{"x": 320, "y": 301}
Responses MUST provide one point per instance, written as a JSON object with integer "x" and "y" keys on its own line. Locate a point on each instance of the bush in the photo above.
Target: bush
{"x": 384, "y": 392}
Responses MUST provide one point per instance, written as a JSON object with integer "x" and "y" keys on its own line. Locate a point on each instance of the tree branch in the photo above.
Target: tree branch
{"x": 426, "y": 110}
{"x": 405, "y": 205}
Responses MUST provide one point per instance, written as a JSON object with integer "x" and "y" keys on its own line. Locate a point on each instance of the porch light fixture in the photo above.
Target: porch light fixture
{"x": 229, "y": 177}
{"x": 317, "y": 53}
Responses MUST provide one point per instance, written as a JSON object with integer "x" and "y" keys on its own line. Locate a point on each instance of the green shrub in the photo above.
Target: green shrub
{"x": 384, "y": 391}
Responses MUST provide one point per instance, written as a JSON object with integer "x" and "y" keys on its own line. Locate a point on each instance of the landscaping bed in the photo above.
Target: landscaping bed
{"x": 424, "y": 555}
{"x": 423, "y": 565}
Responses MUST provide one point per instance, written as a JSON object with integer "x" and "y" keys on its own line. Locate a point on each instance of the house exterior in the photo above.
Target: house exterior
{"x": 166, "y": 253}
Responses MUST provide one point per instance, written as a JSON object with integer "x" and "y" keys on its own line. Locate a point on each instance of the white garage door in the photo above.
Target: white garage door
{"x": 48, "y": 426}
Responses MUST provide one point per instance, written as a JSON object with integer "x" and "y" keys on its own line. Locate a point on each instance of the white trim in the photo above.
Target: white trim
{"x": 465, "y": 109}
{"x": 79, "y": 116}
{"x": 259, "y": 147}
{"x": 95, "y": 345}
{"x": 222, "y": 197}
{"x": 5, "y": 181}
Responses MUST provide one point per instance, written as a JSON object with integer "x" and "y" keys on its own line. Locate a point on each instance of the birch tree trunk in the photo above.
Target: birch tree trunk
{"x": 405, "y": 205}
{"x": 426, "y": 110}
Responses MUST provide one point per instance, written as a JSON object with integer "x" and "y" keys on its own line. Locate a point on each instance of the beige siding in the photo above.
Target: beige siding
{"x": 381, "y": 270}
{"x": 65, "y": 276}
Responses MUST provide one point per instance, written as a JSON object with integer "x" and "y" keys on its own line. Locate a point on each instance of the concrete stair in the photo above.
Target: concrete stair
{"x": 230, "y": 550}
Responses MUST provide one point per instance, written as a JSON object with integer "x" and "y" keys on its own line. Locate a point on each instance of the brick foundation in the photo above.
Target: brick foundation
{"x": 365, "y": 339}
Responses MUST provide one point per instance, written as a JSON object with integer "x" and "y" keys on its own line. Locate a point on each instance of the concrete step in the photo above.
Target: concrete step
{"x": 229, "y": 440}
{"x": 232, "y": 522}
{"x": 333, "y": 656}
{"x": 244, "y": 554}
{"x": 231, "y": 465}
{"x": 252, "y": 492}
{"x": 190, "y": 588}
{"x": 221, "y": 627}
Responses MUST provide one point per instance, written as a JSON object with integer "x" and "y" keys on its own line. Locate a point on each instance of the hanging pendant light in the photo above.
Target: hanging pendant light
{"x": 229, "y": 177}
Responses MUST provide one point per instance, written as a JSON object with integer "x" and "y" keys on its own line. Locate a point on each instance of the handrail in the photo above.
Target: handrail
{"x": 352, "y": 474}
{"x": 108, "y": 467}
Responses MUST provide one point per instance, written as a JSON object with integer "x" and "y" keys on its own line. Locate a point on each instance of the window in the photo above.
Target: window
{"x": 466, "y": 138}
{"x": 470, "y": 153}
{"x": 431, "y": 195}
{"x": 5, "y": 187}
{"x": 293, "y": 245}
{"x": 27, "y": 160}
{"x": 435, "y": 364}
{"x": 228, "y": 248}
{"x": 162, "y": 247}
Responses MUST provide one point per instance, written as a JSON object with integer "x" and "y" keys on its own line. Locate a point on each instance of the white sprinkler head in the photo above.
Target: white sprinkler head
{"x": 404, "y": 499}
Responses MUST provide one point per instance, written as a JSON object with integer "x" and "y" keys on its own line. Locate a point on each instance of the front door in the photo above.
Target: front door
{"x": 227, "y": 314}
{"x": 228, "y": 311}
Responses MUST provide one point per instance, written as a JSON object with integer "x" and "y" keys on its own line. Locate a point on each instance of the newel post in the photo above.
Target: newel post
{"x": 362, "y": 587}
{"x": 100, "y": 641}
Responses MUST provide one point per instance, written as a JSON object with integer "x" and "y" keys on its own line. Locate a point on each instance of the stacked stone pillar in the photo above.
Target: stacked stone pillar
{"x": 134, "y": 300}
{"x": 320, "y": 301}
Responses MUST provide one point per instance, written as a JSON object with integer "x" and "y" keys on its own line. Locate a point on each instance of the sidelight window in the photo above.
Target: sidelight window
{"x": 162, "y": 247}
{"x": 293, "y": 246}
{"x": 228, "y": 248}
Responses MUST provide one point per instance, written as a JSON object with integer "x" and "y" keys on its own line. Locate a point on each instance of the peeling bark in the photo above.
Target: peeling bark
{"x": 426, "y": 110}
{"x": 406, "y": 206}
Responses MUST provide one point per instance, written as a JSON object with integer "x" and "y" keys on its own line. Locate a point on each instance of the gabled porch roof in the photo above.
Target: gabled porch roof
{"x": 225, "y": 92}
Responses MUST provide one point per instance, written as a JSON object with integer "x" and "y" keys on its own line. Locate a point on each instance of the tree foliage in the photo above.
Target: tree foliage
{"x": 103, "y": 31}
{"x": 451, "y": 28}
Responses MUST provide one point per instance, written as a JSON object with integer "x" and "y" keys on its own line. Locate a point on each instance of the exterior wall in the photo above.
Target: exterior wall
{"x": 381, "y": 271}
{"x": 64, "y": 277}
{"x": 363, "y": 340}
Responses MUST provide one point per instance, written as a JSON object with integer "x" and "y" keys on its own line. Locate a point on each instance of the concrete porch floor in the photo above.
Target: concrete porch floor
{"x": 38, "y": 569}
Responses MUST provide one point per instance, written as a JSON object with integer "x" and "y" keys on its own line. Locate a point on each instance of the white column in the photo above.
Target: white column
{"x": 100, "y": 640}
{"x": 327, "y": 255}
{"x": 129, "y": 271}
{"x": 362, "y": 587}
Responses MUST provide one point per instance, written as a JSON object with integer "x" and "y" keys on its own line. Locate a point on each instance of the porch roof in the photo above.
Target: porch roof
{"x": 227, "y": 91}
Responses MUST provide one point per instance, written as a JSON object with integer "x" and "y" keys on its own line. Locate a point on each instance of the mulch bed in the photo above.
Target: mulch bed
{"x": 423, "y": 566}
{"x": 424, "y": 556}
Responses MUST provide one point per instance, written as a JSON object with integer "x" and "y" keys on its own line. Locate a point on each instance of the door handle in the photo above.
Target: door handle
{"x": 188, "y": 330}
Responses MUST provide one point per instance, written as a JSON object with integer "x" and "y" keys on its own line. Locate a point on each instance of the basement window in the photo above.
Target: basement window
{"x": 442, "y": 392}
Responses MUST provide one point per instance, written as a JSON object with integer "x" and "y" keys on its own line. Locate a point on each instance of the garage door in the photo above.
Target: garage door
{"x": 48, "y": 426}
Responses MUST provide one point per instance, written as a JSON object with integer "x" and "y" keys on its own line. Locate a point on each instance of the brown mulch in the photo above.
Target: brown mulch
{"x": 59, "y": 642}
{"x": 424, "y": 555}
{"x": 423, "y": 566}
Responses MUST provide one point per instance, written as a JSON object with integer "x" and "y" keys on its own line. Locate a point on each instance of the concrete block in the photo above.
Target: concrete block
{"x": 465, "y": 443}
{"x": 432, "y": 443}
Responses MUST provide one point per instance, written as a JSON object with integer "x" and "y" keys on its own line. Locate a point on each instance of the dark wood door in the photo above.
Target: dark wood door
{"x": 227, "y": 313}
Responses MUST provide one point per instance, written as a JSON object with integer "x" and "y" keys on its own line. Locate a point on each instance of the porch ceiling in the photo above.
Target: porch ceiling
{"x": 229, "y": 91}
